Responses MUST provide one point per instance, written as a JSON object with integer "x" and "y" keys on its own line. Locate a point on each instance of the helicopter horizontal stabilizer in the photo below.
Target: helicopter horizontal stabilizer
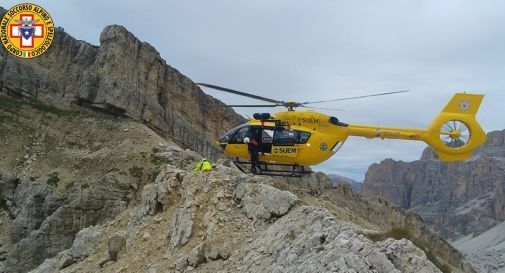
{"x": 455, "y": 132}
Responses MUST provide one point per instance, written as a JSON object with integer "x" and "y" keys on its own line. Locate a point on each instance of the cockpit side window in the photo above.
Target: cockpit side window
{"x": 304, "y": 137}
{"x": 226, "y": 138}
{"x": 240, "y": 135}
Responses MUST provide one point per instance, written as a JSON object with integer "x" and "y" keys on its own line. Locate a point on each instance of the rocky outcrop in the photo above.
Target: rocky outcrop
{"x": 388, "y": 216}
{"x": 84, "y": 244}
{"x": 338, "y": 179}
{"x": 310, "y": 239}
{"x": 45, "y": 221}
{"x": 124, "y": 76}
{"x": 222, "y": 232}
{"x": 456, "y": 198}
{"x": 66, "y": 171}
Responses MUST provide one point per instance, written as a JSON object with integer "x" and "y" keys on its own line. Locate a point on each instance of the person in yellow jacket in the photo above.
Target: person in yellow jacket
{"x": 204, "y": 165}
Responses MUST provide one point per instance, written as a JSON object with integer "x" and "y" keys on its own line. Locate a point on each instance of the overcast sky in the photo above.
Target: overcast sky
{"x": 322, "y": 49}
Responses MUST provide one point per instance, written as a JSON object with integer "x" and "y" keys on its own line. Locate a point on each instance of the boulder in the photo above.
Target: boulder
{"x": 85, "y": 242}
{"x": 117, "y": 245}
{"x": 260, "y": 201}
{"x": 197, "y": 255}
{"x": 190, "y": 155}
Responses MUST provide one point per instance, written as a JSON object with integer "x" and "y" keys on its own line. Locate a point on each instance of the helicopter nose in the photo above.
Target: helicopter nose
{"x": 221, "y": 144}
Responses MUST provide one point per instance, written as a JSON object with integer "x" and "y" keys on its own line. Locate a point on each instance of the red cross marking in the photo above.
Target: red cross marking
{"x": 37, "y": 33}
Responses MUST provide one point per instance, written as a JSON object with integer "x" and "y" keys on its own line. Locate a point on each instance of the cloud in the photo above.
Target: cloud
{"x": 321, "y": 49}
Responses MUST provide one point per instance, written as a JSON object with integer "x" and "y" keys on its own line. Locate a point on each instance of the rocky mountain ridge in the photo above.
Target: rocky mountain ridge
{"x": 338, "y": 179}
{"x": 123, "y": 76}
{"x": 228, "y": 221}
{"x": 456, "y": 198}
{"x": 462, "y": 201}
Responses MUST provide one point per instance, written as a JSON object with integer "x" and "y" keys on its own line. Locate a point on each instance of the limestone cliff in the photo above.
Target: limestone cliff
{"x": 124, "y": 76}
{"x": 455, "y": 199}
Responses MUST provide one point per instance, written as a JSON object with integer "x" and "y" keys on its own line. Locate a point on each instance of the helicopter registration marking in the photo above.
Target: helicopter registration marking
{"x": 308, "y": 120}
{"x": 284, "y": 151}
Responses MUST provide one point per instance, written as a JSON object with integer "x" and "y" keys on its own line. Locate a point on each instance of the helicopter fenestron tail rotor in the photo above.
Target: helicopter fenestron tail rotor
{"x": 455, "y": 134}
{"x": 290, "y": 105}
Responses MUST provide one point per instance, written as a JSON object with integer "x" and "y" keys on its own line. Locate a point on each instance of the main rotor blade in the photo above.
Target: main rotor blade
{"x": 238, "y": 93}
{"x": 253, "y": 105}
{"x": 322, "y": 108}
{"x": 358, "y": 97}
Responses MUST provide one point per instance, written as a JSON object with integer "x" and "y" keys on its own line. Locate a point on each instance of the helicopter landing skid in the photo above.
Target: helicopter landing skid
{"x": 272, "y": 169}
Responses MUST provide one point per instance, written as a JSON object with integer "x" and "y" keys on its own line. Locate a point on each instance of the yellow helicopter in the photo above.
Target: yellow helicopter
{"x": 297, "y": 139}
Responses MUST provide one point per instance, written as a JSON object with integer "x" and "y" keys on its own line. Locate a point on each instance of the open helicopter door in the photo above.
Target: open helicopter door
{"x": 264, "y": 136}
{"x": 273, "y": 142}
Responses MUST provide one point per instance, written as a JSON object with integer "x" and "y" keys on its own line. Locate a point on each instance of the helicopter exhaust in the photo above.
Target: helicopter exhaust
{"x": 454, "y": 133}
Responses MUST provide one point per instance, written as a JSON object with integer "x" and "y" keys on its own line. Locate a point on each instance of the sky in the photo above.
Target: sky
{"x": 323, "y": 49}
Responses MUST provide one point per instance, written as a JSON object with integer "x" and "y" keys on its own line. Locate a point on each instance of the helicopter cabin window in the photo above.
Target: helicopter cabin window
{"x": 267, "y": 136}
{"x": 290, "y": 137}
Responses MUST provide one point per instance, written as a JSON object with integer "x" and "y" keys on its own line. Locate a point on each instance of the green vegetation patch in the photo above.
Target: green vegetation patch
{"x": 400, "y": 233}
{"x": 53, "y": 180}
{"x": 7, "y": 103}
{"x": 14, "y": 105}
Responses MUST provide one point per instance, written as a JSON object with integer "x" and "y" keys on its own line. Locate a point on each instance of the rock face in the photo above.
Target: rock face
{"x": 45, "y": 222}
{"x": 455, "y": 199}
{"x": 62, "y": 171}
{"x": 84, "y": 244}
{"x": 123, "y": 76}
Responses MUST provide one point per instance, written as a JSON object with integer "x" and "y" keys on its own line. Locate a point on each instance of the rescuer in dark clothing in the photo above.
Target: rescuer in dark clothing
{"x": 253, "y": 147}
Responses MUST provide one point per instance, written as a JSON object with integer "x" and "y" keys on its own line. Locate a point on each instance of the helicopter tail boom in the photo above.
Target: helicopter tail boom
{"x": 453, "y": 134}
